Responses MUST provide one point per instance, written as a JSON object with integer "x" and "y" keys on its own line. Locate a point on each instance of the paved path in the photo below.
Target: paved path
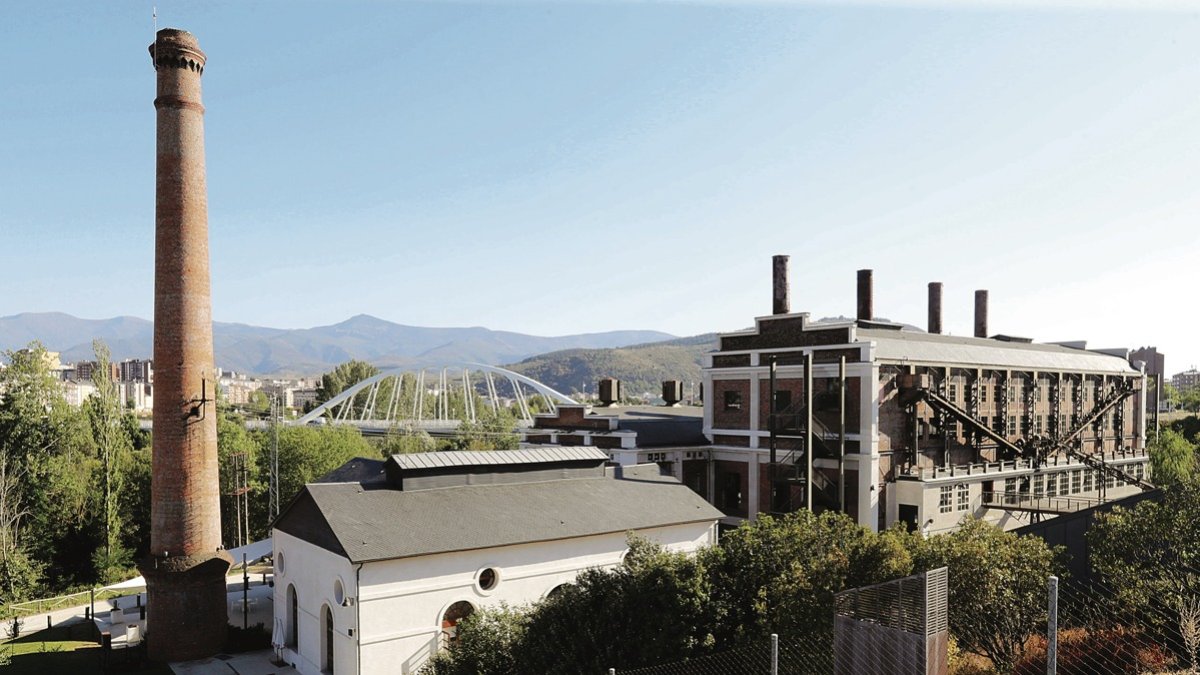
{"x": 250, "y": 663}
{"x": 261, "y": 608}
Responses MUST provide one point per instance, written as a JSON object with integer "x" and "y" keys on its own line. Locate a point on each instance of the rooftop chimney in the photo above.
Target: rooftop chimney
{"x": 672, "y": 392}
{"x": 185, "y": 571}
{"x": 866, "y": 296}
{"x": 779, "y": 285}
{"x": 981, "y": 309}
{"x": 610, "y": 391}
{"x": 935, "y": 307}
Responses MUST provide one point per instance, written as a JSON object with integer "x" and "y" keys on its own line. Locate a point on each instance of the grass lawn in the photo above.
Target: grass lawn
{"x": 70, "y": 649}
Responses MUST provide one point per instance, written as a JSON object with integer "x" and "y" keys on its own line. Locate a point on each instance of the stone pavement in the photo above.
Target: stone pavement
{"x": 250, "y": 663}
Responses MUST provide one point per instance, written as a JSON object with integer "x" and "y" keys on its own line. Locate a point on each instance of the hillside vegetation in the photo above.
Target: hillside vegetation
{"x": 641, "y": 368}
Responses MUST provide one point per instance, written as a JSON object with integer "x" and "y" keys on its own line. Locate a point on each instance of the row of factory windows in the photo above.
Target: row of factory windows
{"x": 1037, "y": 424}
{"x": 732, "y": 400}
{"x": 1016, "y": 387}
{"x": 1079, "y": 481}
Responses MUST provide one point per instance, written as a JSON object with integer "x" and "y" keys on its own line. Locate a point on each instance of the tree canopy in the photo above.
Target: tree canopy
{"x": 774, "y": 575}
{"x": 343, "y": 377}
{"x": 1172, "y": 458}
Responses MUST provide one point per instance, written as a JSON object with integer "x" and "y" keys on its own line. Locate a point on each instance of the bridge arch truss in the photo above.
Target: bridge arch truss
{"x": 437, "y": 398}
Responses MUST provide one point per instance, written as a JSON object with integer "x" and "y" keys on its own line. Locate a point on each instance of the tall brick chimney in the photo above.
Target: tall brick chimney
{"x": 185, "y": 571}
{"x": 779, "y": 285}
{"x": 981, "y": 311}
{"x": 935, "y": 307}
{"x": 866, "y": 296}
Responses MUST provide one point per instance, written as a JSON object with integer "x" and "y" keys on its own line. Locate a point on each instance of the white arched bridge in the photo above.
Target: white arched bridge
{"x": 437, "y": 399}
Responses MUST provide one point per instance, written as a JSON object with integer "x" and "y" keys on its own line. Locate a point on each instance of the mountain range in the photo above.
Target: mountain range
{"x": 640, "y": 368}
{"x": 307, "y": 351}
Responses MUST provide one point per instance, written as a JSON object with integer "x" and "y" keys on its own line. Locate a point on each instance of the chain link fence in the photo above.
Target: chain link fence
{"x": 1082, "y": 627}
{"x": 771, "y": 657}
{"x": 1099, "y": 629}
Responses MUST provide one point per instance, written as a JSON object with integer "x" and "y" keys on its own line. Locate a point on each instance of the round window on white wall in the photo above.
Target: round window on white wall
{"x": 487, "y": 579}
{"x": 279, "y": 567}
{"x": 339, "y": 593}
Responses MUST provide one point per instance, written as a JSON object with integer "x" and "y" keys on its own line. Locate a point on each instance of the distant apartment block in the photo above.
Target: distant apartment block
{"x": 136, "y": 370}
{"x": 304, "y": 399}
{"x": 1188, "y": 379}
{"x": 84, "y": 371}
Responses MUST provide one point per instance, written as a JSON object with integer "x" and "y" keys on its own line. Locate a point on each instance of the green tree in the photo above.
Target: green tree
{"x": 1189, "y": 428}
{"x": 491, "y": 430}
{"x": 258, "y": 402}
{"x": 997, "y": 586}
{"x": 1189, "y": 399}
{"x": 780, "y": 574}
{"x": 487, "y": 642}
{"x": 41, "y": 440}
{"x": 342, "y": 378}
{"x": 1170, "y": 395}
{"x": 135, "y": 499}
{"x": 238, "y": 459}
{"x": 405, "y": 440}
{"x": 307, "y": 453}
{"x": 113, "y": 446}
{"x": 1150, "y": 554}
{"x": 652, "y": 609}
{"x": 1172, "y": 458}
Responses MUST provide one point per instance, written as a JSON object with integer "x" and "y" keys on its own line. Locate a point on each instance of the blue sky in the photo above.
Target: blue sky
{"x": 565, "y": 167}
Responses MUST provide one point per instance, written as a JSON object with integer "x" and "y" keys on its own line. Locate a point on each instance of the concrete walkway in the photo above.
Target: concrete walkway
{"x": 250, "y": 663}
{"x": 261, "y": 608}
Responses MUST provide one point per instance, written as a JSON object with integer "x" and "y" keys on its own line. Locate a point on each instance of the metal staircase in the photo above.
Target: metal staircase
{"x": 789, "y": 468}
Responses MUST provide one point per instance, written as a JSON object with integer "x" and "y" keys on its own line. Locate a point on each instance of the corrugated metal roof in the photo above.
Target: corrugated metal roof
{"x": 437, "y": 460}
{"x": 382, "y": 524}
{"x": 927, "y": 348}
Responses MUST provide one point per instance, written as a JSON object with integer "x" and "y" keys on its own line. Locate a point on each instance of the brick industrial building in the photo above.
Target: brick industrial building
{"x": 917, "y": 426}
{"x": 905, "y": 425}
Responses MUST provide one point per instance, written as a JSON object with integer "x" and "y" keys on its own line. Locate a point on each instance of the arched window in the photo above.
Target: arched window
{"x": 327, "y": 655}
{"x": 556, "y": 591}
{"x": 293, "y": 627}
{"x": 454, "y": 613}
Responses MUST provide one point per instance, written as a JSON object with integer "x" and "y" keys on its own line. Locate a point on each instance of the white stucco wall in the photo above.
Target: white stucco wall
{"x": 402, "y": 602}
{"x": 312, "y": 571}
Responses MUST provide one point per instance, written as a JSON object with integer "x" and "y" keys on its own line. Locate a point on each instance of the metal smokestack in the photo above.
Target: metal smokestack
{"x": 779, "y": 285}
{"x": 185, "y": 571}
{"x": 935, "y": 307}
{"x": 981, "y": 312}
{"x": 866, "y": 296}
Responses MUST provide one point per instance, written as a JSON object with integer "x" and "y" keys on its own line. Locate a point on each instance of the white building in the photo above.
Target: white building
{"x": 376, "y": 564}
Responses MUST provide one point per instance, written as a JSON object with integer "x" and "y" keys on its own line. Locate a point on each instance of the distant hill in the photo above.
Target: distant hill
{"x": 640, "y": 368}
{"x": 268, "y": 351}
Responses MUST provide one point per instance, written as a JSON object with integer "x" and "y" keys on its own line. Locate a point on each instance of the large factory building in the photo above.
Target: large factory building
{"x": 914, "y": 426}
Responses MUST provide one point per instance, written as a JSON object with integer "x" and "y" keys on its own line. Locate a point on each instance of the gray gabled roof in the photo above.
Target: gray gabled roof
{"x": 366, "y": 523}
{"x": 916, "y": 347}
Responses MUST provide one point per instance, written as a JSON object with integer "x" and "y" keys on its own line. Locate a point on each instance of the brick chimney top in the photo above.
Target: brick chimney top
{"x": 179, "y": 48}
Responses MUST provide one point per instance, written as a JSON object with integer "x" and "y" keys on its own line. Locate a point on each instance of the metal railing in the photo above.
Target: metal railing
{"x": 979, "y": 468}
{"x": 1037, "y": 502}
